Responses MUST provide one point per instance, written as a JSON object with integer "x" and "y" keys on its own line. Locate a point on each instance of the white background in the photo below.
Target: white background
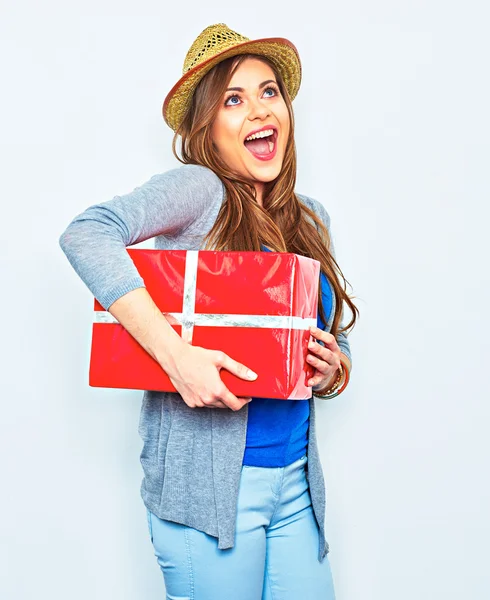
{"x": 392, "y": 135}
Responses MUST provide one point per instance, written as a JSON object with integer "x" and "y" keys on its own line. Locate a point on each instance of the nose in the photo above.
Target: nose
{"x": 258, "y": 109}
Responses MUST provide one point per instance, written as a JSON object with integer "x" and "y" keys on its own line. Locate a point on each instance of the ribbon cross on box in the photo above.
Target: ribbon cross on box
{"x": 257, "y": 307}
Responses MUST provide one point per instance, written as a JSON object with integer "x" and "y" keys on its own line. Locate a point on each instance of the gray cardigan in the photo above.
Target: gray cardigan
{"x": 191, "y": 457}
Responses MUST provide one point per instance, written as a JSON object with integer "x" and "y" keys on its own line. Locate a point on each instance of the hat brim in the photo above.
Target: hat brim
{"x": 280, "y": 50}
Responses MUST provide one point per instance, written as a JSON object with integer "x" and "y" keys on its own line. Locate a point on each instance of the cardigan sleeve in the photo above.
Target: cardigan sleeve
{"x": 342, "y": 338}
{"x": 168, "y": 203}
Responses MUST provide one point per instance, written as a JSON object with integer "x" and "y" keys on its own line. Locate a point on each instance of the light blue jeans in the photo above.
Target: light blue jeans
{"x": 275, "y": 556}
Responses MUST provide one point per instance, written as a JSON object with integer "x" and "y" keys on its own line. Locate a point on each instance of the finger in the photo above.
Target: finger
{"x": 219, "y": 404}
{"x": 324, "y": 336}
{"x": 324, "y": 353}
{"x": 212, "y": 403}
{"x": 320, "y": 365}
{"x": 231, "y": 400}
{"x": 242, "y": 402}
{"x": 235, "y": 367}
{"x": 316, "y": 379}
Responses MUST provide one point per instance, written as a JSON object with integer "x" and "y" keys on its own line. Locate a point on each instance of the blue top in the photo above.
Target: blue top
{"x": 277, "y": 430}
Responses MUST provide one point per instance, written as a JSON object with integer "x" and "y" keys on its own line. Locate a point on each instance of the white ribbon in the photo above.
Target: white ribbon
{"x": 188, "y": 317}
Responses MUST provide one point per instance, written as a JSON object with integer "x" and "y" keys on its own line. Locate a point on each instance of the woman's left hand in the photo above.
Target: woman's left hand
{"x": 325, "y": 359}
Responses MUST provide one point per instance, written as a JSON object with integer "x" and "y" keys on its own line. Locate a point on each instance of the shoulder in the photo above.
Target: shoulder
{"x": 191, "y": 176}
{"x": 316, "y": 206}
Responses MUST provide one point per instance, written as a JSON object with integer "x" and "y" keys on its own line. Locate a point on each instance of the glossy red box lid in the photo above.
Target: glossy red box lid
{"x": 254, "y": 306}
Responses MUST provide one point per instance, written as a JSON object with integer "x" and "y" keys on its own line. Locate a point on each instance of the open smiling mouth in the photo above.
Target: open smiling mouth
{"x": 263, "y": 145}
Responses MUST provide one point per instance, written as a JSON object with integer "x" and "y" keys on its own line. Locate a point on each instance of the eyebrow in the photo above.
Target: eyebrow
{"x": 261, "y": 85}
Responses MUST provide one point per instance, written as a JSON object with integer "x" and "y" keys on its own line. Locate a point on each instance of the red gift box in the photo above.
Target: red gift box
{"x": 256, "y": 307}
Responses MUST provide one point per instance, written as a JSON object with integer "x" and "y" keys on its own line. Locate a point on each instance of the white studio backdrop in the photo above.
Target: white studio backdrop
{"x": 392, "y": 134}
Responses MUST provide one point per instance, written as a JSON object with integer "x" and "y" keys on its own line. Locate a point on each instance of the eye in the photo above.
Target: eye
{"x": 229, "y": 98}
{"x": 273, "y": 88}
{"x": 270, "y": 87}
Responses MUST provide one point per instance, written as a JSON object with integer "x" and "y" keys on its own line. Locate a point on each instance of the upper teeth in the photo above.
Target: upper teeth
{"x": 260, "y": 134}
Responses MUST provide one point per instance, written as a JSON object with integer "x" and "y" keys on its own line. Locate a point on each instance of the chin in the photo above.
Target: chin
{"x": 266, "y": 172}
{"x": 268, "y": 175}
{"x": 268, "y": 178}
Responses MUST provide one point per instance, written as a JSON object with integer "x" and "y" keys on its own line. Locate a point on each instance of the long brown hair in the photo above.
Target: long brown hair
{"x": 242, "y": 224}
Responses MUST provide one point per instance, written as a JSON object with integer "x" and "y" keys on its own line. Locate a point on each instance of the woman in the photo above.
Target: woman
{"x": 233, "y": 487}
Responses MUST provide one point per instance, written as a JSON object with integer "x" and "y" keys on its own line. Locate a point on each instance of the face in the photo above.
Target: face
{"x": 258, "y": 105}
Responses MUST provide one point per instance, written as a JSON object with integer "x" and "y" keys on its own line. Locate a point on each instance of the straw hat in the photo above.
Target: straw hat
{"x": 214, "y": 44}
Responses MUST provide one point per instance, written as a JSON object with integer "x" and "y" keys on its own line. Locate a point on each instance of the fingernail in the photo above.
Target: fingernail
{"x": 251, "y": 374}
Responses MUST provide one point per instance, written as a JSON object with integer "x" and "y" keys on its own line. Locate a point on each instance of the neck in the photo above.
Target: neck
{"x": 259, "y": 192}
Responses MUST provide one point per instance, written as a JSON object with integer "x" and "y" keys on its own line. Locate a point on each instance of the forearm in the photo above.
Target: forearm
{"x": 139, "y": 315}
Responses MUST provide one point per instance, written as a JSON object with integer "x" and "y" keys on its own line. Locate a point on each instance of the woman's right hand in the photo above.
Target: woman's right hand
{"x": 194, "y": 371}
{"x": 195, "y": 374}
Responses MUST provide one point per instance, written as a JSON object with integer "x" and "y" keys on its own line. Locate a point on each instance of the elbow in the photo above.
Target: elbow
{"x": 70, "y": 241}
{"x": 76, "y": 235}
{"x": 64, "y": 240}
